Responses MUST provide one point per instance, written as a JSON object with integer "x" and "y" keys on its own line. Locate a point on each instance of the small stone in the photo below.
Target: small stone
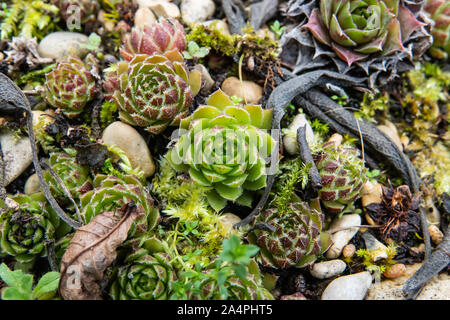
{"x": 32, "y": 185}
{"x": 438, "y": 288}
{"x": 379, "y": 250}
{"x": 58, "y": 45}
{"x": 436, "y": 235}
{"x": 248, "y": 91}
{"x": 148, "y": 3}
{"x": 349, "y": 250}
{"x": 372, "y": 193}
{"x": 196, "y": 11}
{"x": 389, "y": 129}
{"x": 336, "y": 138}
{"x": 290, "y": 138}
{"x": 17, "y": 155}
{"x": 165, "y": 9}
{"x": 295, "y": 296}
{"x": 341, "y": 238}
{"x": 328, "y": 269}
{"x": 220, "y": 25}
{"x": 405, "y": 141}
{"x": 207, "y": 81}
{"x": 397, "y": 270}
{"x": 228, "y": 220}
{"x": 351, "y": 287}
{"x": 144, "y": 16}
{"x": 265, "y": 32}
{"x": 39, "y": 115}
{"x": 418, "y": 250}
{"x": 131, "y": 142}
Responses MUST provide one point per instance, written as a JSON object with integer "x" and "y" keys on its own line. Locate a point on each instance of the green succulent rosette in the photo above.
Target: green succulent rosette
{"x": 25, "y": 231}
{"x": 152, "y": 91}
{"x": 343, "y": 175}
{"x": 144, "y": 276}
{"x": 440, "y": 13}
{"x": 355, "y": 29}
{"x": 297, "y": 239}
{"x": 223, "y": 147}
{"x": 74, "y": 176}
{"x": 111, "y": 192}
{"x": 70, "y": 86}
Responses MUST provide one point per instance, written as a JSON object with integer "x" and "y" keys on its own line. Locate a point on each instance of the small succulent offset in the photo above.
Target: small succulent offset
{"x": 296, "y": 241}
{"x": 70, "y": 86}
{"x": 144, "y": 276}
{"x": 440, "y": 13}
{"x": 74, "y": 176}
{"x": 343, "y": 175}
{"x": 83, "y": 10}
{"x": 111, "y": 192}
{"x": 152, "y": 91}
{"x": 224, "y": 149}
{"x": 25, "y": 231}
{"x": 162, "y": 37}
{"x": 355, "y": 29}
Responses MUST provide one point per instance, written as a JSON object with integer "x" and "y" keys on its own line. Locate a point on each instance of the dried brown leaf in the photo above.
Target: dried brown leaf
{"x": 91, "y": 250}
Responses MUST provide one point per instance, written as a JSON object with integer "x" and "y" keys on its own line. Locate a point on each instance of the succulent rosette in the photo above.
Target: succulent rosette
{"x": 152, "y": 91}
{"x": 224, "y": 149}
{"x": 440, "y": 13}
{"x": 25, "y": 231}
{"x": 354, "y": 29}
{"x": 84, "y": 10}
{"x": 161, "y": 37}
{"x": 111, "y": 192}
{"x": 74, "y": 176}
{"x": 144, "y": 276}
{"x": 70, "y": 86}
{"x": 343, "y": 175}
{"x": 297, "y": 238}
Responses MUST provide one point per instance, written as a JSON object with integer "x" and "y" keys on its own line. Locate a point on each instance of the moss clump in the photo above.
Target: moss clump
{"x": 428, "y": 103}
{"x": 248, "y": 44}
{"x": 186, "y": 201}
{"x": 28, "y": 18}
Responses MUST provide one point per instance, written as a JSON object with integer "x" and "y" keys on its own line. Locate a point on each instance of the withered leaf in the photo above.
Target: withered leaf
{"x": 91, "y": 250}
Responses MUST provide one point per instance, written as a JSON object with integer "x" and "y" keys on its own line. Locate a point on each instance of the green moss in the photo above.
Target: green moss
{"x": 248, "y": 44}
{"x": 372, "y": 105}
{"x": 28, "y": 18}
{"x": 427, "y": 101}
{"x": 186, "y": 201}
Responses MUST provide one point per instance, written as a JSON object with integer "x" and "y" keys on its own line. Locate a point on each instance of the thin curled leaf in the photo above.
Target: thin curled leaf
{"x": 11, "y": 97}
{"x": 91, "y": 250}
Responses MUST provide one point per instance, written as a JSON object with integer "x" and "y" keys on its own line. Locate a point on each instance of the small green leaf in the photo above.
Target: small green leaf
{"x": 48, "y": 283}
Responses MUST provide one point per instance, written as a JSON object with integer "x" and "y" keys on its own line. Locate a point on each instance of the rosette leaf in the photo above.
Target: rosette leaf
{"x": 343, "y": 175}
{"x": 75, "y": 177}
{"x": 440, "y": 13}
{"x": 152, "y": 92}
{"x": 356, "y": 29}
{"x": 70, "y": 86}
{"x": 24, "y": 232}
{"x": 162, "y": 37}
{"x": 111, "y": 192}
{"x": 144, "y": 276}
{"x": 297, "y": 239}
{"x": 224, "y": 149}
